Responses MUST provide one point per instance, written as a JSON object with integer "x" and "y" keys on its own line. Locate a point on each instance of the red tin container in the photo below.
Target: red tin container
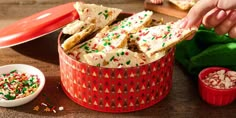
{"x": 214, "y": 96}
{"x": 116, "y": 89}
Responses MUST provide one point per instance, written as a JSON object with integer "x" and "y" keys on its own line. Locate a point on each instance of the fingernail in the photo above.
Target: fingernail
{"x": 222, "y": 14}
{"x": 183, "y": 23}
{"x": 232, "y": 15}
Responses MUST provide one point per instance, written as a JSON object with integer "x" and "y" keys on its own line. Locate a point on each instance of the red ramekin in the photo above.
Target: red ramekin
{"x": 214, "y": 96}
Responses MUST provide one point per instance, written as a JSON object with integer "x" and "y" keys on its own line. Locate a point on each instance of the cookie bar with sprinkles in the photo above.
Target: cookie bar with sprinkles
{"x": 183, "y": 4}
{"x": 116, "y": 58}
{"x": 91, "y": 20}
{"x": 134, "y": 23}
{"x": 109, "y": 40}
{"x": 75, "y": 27}
{"x": 112, "y": 37}
{"x": 79, "y": 30}
{"x": 101, "y": 42}
{"x": 116, "y": 36}
{"x": 158, "y": 38}
{"x": 153, "y": 58}
{"x": 78, "y": 51}
{"x": 101, "y": 16}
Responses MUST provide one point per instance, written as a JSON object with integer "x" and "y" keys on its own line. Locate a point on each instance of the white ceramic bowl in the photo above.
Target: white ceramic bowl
{"x": 26, "y": 69}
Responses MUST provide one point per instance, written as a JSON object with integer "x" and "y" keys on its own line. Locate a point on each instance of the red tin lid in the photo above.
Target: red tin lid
{"x": 37, "y": 25}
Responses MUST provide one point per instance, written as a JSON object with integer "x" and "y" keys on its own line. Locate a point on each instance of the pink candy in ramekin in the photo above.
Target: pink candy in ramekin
{"x": 213, "y": 91}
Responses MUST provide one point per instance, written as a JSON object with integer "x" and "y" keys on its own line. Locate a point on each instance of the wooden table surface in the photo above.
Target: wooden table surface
{"x": 182, "y": 101}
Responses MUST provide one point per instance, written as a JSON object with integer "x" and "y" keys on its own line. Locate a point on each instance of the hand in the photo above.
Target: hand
{"x": 218, "y": 14}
